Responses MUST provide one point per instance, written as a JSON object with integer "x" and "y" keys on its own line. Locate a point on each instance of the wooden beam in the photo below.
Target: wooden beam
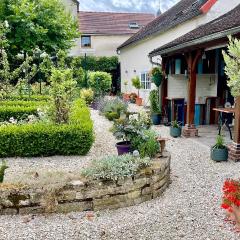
{"x": 192, "y": 60}
{"x": 237, "y": 121}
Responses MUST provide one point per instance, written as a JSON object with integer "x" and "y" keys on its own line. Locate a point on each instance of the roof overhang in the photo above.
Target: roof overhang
{"x": 197, "y": 43}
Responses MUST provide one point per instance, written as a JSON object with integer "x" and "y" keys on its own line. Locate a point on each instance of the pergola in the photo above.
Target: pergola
{"x": 192, "y": 46}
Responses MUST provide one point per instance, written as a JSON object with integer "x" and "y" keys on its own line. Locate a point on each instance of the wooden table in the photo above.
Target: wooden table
{"x": 224, "y": 120}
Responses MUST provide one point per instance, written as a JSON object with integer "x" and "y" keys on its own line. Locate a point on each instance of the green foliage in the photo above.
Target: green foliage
{"x": 100, "y": 82}
{"x": 87, "y": 95}
{"x": 232, "y": 69}
{"x": 2, "y": 171}
{"x": 91, "y": 63}
{"x": 16, "y": 112}
{"x": 108, "y": 105}
{"x": 62, "y": 88}
{"x": 146, "y": 143}
{"x": 115, "y": 167}
{"x": 219, "y": 143}
{"x": 157, "y": 76}
{"x": 38, "y": 23}
{"x": 41, "y": 139}
{"x": 136, "y": 83}
{"x": 25, "y": 98}
{"x": 112, "y": 115}
{"x": 175, "y": 124}
{"x": 154, "y": 103}
{"x": 129, "y": 127}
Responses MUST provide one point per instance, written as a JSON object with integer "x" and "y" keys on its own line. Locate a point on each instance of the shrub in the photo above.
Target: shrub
{"x": 115, "y": 167}
{"x": 87, "y": 95}
{"x": 100, "y": 82}
{"x": 27, "y": 98}
{"x": 136, "y": 83}
{"x": 2, "y": 170}
{"x": 154, "y": 103}
{"x": 22, "y": 103}
{"x": 41, "y": 139}
{"x": 146, "y": 144}
{"x": 16, "y": 112}
{"x": 107, "y": 105}
{"x": 112, "y": 115}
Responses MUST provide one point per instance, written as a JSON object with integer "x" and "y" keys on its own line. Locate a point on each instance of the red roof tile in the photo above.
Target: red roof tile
{"x": 109, "y": 23}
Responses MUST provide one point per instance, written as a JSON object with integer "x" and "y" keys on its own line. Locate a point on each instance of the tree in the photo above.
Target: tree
{"x": 37, "y": 23}
{"x": 232, "y": 69}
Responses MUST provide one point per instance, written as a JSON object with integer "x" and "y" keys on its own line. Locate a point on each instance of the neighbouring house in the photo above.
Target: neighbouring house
{"x": 182, "y": 18}
{"x": 103, "y": 32}
{"x": 194, "y": 76}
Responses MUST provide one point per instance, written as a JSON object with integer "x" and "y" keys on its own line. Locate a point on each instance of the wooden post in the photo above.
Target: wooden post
{"x": 234, "y": 148}
{"x": 192, "y": 60}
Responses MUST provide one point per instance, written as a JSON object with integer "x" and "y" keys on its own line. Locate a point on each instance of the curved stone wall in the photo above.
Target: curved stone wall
{"x": 85, "y": 195}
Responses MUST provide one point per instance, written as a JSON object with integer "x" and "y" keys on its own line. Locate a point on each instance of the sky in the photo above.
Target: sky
{"x": 151, "y": 6}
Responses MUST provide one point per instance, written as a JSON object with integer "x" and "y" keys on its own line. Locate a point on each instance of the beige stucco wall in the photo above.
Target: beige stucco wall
{"x": 101, "y": 45}
{"x": 134, "y": 58}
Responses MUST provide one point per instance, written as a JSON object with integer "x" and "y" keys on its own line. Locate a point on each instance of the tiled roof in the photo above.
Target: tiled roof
{"x": 179, "y": 13}
{"x": 229, "y": 21}
{"x": 110, "y": 23}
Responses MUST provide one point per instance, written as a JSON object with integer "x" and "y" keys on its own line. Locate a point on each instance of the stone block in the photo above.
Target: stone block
{"x": 31, "y": 210}
{"x": 74, "y": 207}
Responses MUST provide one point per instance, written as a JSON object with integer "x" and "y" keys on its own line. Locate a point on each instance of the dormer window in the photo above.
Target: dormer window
{"x": 133, "y": 25}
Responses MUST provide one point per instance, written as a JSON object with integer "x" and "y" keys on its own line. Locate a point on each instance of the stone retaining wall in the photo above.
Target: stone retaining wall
{"x": 85, "y": 195}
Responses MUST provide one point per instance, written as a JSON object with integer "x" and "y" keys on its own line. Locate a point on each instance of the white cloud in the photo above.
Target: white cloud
{"x": 126, "y": 5}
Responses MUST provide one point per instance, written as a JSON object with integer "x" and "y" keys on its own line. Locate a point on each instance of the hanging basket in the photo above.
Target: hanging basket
{"x": 157, "y": 79}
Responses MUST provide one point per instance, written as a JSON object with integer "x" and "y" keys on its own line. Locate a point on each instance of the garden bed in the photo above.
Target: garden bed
{"x": 84, "y": 194}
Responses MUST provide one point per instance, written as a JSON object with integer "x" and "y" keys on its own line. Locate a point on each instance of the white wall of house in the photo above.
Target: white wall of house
{"x": 101, "y": 45}
{"x": 206, "y": 86}
{"x": 134, "y": 58}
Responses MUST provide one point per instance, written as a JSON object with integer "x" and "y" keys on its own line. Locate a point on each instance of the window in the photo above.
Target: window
{"x": 86, "y": 41}
{"x": 145, "y": 80}
{"x": 133, "y": 25}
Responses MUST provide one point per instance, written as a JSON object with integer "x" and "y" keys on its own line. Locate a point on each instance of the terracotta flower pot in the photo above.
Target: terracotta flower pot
{"x": 126, "y": 96}
{"x": 139, "y": 101}
{"x": 236, "y": 212}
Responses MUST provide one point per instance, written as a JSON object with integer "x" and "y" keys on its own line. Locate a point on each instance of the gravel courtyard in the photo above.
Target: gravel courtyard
{"x": 189, "y": 209}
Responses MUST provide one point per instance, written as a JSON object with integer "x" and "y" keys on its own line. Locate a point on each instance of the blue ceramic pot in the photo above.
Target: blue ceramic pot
{"x": 175, "y": 132}
{"x": 123, "y": 148}
{"x": 156, "y": 118}
{"x": 219, "y": 155}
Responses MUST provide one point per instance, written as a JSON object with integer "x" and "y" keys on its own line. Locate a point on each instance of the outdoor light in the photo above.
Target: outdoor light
{"x": 204, "y": 56}
{"x": 126, "y": 71}
{"x": 134, "y": 71}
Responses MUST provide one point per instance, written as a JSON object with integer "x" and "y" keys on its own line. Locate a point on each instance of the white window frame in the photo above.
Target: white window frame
{"x": 146, "y": 80}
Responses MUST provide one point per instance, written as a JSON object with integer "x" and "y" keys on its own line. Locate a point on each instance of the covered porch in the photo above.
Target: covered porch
{"x": 195, "y": 83}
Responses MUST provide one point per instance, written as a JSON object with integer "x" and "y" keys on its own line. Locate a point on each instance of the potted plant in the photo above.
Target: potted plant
{"x": 137, "y": 84}
{"x": 155, "y": 107}
{"x": 133, "y": 97}
{"x": 175, "y": 129}
{"x": 122, "y": 131}
{"x": 219, "y": 151}
{"x": 157, "y": 76}
{"x": 126, "y": 96}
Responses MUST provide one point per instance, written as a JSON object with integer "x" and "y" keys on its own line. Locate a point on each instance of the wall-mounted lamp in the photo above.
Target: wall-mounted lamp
{"x": 126, "y": 71}
{"x": 134, "y": 71}
{"x": 204, "y": 56}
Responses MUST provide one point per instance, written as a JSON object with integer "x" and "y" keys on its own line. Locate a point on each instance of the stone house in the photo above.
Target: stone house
{"x": 103, "y": 32}
{"x": 179, "y": 20}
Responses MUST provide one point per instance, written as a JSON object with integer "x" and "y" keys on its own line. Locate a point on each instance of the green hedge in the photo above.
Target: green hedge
{"x": 31, "y": 140}
{"x": 17, "y": 112}
{"x": 28, "y": 98}
{"x": 18, "y": 109}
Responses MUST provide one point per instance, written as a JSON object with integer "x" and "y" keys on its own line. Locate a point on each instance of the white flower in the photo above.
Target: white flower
{"x": 6, "y": 24}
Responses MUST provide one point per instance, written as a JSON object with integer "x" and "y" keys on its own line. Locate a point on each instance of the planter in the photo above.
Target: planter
{"x": 126, "y": 96}
{"x": 139, "y": 101}
{"x": 175, "y": 132}
{"x": 157, "y": 79}
{"x": 156, "y": 118}
{"x": 236, "y": 212}
{"x": 219, "y": 155}
{"x": 123, "y": 148}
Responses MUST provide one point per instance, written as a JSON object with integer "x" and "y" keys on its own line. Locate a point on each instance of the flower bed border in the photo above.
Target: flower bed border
{"x": 86, "y": 195}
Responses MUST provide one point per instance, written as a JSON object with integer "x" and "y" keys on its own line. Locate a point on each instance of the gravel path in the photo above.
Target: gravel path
{"x": 20, "y": 168}
{"x": 189, "y": 209}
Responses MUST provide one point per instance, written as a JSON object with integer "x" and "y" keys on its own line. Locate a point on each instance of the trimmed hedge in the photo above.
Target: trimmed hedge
{"x": 31, "y": 140}
{"x": 28, "y": 98}
{"x": 18, "y": 109}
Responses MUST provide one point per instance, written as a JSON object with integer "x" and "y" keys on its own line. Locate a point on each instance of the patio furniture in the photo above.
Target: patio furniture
{"x": 225, "y": 118}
